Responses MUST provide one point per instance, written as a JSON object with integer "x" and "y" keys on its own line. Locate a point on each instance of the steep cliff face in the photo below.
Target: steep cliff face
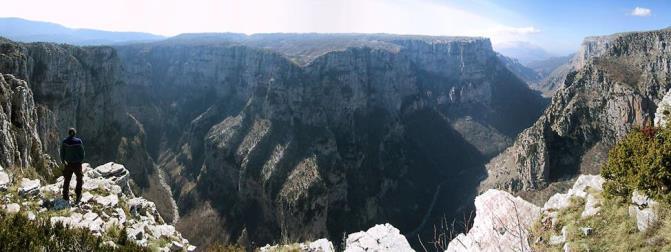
{"x": 618, "y": 81}
{"x": 591, "y": 47}
{"x": 20, "y": 145}
{"x": 268, "y": 148}
{"x": 73, "y": 87}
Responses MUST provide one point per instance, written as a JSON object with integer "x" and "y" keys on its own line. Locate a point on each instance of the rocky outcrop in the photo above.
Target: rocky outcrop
{"x": 107, "y": 205}
{"x": 620, "y": 80}
{"x": 382, "y": 237}
{"x": 20, "y": 144}
{"x": 663, "y": 112}
{"x": 76, "y": 87}
{"x": 502, "y": 223}
{"x": 321, "y": 245}
{"x": 378, "y": 238}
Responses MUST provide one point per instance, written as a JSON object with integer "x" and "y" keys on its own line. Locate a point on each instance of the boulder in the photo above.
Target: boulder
{"x": 12, "y": 208}
{"x": 321, "y": 245}
{"x": 29, "y": 186}
{"x": 644, "y": 210}
{"x": 107, "y": 201}
{"x": 378, "y": 238}
{"x": 502, "y": 223}
{"x": 558, "y": 201}
{"x": 4, "y": 180}
{"x": 158, "y": 231}
{"x": 579, "y": 189}
{"x": 110, "y": 169}
{"x": 584, "y": 182}
{"x": 591, "y": 206}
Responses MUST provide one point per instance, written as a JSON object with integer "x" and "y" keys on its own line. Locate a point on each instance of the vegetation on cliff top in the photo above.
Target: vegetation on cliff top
{"x": 640, "y": 161}
{"x": 18, "y": 233}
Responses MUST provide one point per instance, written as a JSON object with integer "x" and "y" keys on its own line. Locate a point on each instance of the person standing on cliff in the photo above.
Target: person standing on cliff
{"x": 72, "y": 155}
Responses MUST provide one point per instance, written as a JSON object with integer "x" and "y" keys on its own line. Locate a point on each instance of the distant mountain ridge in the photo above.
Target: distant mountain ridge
{"x": 23, "y": 30}
{"x": 544, "y": 76}
{"x": 525, "y": 52}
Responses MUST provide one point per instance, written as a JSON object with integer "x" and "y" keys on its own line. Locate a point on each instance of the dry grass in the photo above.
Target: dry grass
{"x": 613, "y": 229}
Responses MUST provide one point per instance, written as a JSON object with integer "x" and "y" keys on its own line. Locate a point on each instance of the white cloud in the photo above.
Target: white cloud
{"x": 502, "y": 34}
{"x": 641, "y": 12}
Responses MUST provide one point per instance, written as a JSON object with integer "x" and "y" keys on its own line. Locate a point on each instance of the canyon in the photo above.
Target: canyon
{"x": 262, "y": 138}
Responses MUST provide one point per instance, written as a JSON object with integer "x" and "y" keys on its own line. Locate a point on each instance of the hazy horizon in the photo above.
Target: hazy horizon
{"x": 556, "y": 27}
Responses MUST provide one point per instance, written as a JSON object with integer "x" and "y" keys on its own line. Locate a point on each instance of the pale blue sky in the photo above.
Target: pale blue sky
{"x": 557, "y": 26}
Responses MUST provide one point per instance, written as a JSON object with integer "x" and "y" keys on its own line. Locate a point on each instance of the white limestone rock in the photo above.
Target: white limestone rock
{"x": 382, "y": 237}
{"x": 559, "y": 239}
{"x": 107, "y": 201}
{"x": 159, "y": 231}
{"x": 587, "y": 181}
{"x": 176, "y": 246}
{"x": 110, "y": 169}
{"x": 12, "y": 208}
{"x": 321, "y": 245}
{"x": 558, "y": 201}
{"x": 579, "y": 189}
{"x": 99, "y": 213}
{"x": 592, "y": 204}
{"x": 4, "y": 180}
{"x": 663, "y": 112}
{"x": 29, "y": 186}
{"x": 644, "y": 210}
{"x": 502, "y": 223}
{"x": 86, "y": 197}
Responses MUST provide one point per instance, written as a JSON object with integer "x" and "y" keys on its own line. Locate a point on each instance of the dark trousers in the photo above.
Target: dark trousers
{"x": 71, "y": 168}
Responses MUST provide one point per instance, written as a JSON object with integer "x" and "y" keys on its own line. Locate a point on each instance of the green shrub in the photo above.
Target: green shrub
{"x": 640, "y": 161}
{"x": 17, "y": 233}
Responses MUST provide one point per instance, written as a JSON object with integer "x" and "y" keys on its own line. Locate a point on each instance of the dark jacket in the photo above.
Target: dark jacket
{"x": 72, "y": 150}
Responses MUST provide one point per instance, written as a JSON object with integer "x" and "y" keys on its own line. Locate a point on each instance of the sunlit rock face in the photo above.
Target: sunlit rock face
{"x": 502, "y": 223}
{"x": 20, "y": 145}
{"x": 618, "y": 85}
